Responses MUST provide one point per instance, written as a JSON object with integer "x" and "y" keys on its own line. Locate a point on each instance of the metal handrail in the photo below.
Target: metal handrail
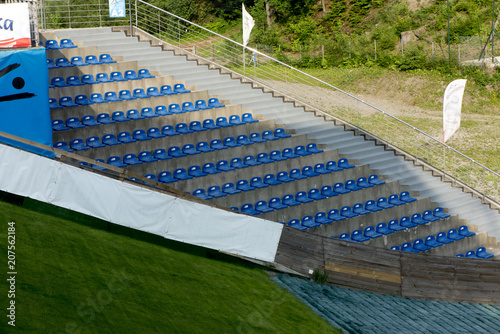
{"x": 185, "y": 35}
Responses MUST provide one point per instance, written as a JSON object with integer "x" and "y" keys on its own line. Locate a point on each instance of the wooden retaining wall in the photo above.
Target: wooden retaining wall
{"x": 380, "y": 270}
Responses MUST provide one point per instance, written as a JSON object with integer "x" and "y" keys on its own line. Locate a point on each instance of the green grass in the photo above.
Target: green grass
{"x": 73, "y": 278}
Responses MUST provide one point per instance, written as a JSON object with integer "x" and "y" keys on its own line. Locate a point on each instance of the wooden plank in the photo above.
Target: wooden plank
{"x": 361, "y": 283}
{"x": 356, "y": 271}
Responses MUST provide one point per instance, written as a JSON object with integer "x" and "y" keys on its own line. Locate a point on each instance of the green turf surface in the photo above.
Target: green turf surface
{"x": 73, "y": 278}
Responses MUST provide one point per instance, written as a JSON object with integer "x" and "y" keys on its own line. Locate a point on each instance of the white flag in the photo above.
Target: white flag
{"x": 452, "y": 107}
{"x": 248, "y": 23}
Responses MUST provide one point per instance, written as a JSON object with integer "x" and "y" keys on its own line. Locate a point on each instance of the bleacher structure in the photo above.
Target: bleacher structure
{"x": 351, "y": 205}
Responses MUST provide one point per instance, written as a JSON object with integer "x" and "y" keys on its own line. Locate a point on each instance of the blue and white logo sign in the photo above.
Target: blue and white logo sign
{"x": 116, "y": 8}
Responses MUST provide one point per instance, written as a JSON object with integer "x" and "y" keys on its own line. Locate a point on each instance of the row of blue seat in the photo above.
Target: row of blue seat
{"x": 123, "y": 95}
{"x": 52, "y": 44}
{"x": 88, "y": 79}
{"x": 432, "y": 241}
{"x": 480, "y": 253}
{"x": 166, "y": 130}
{"x": 63, "y": 62}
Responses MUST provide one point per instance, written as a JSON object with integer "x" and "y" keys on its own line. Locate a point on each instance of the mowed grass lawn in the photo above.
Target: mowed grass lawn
{"x": 72, "y": 278}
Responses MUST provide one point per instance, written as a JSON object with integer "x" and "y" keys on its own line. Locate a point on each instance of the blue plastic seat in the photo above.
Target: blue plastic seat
{"x": 230, "y": 142}
{"x": 174, "y": 108}
{"x": 321, "y": 169}
{"x": 110, "y": 140}
{"x": 155, "y": 133}
{"x": 99, "y": 167}
{"x": 146, "y": 156}
{"x": 125, "y": 94}
{"x": 308, "y": 221}
{"x": 372, "y": 206}
{"x": 483, "y": 254}
{"x": 419, "y": 244}
{"x": 151, "y": 177}
{"x": 295, "y": 223}
{"x": 169, "y": 130}
{"x": 405, "y": 196}
{"x": 190, "y": 149}
{"x": 248, "y": 209}
{"x": 119, "y": 116}
{"x": 248, "y": 118}
{"x": 339, "y": 188}
{"x": 78, "y": 145}
{"x": 200, "y": 105}
{"x": 176, "y": 152}
{"x": 74, "y": 123}
{"x": 195, "y": 171}
{"x": 315, "y": 194}
{"x": 332, "y": 166}
{"x": 217, "y": 144}
{"x": 427, "y": 215}
{"x": 214, "y": 103}
{"x": 359, "y": 209}
{"x": 345, "y": 237}
{"x": 442, "y": 238}
{"x": 97, "y": 98}
{"x": 276, "y": 204}
{"x": 301, "y": 196}
{"x": 140, "y": 135}
{"x": 210, "y": 124}
{"x": 394, "y": 200}
{"x": 235, "y": 120}
{"x": 288, "y": 153}
{"x": 161, "y": 154}
{"x": 271, "y": 180}
{"x": 282, "y": 176}
{"x": 464, "y": 231}
{"x": 243, "y": 140}
{"x": 276, "y": 155}
{"x": 181, "y": 174}
{"x": 438, "y": 212}
{"x": 460, "y": 255}
{"x": 394, "y": 225}
{"x": 130, "y": 75}
{"x": 280, "y": 133}
{"x": 322, "y": 218}
{"x": 125, "y": 137}
{"x": 289, "y": 200}
{"x": 180, "y": 89}
{"x": 249, "y": 160}
{"x": 396, "y": 248}
{"x": 269, "y": 135}
{"x": 59, "y": 125}
{"x": 134, "y": 114}
{"x": 224, "y": 166}
{"x": 453, "y": 234}
{"x": 161, "y": 110}
{"x": 131, "y": 159}
{"x": 116, "y": 76}
{"x": 229, "y": 188}
{"x": 309, "y": 171}
{"x": 153, "y": 91}
{"x": 371, "y": 233}
{"x": 139, "y": 93}
{"x": 196, "y": 126}
{"x": 256, "y": 182}
{"x": 102, "y": 78}
{"x": 327, "y": 191}
{"x": 66, "y": 43}
{"x": 74, "y": 80}
{"x": 115, "y": 161}
{"x": 200, "y": 193}
{"x": 312, "y": 148}
{"x": 264, "y": 158}
{"x": 334, "y": 214}
{"x": 51, "y": 64}
{"x": 143, "y": 73}
{"x": 59, "y": 82}
{"x": 222, "y": 122}
{"x": 166, "y": 177}
{"x": 51, "y": 44}
{"x": 296, "y": 174}
{"x": 255, "y": 137}
{"x": 67, "y": 101}
{"x": 188, "y": 107}
{"x": 88, "y": 79}
{"x": 383, "y": 203}
{"x": 263, "y": 207}
{"x": 166, "y": 90}
{"x": 417, "y": 219}
{"x": 347, "y": 212}
{"x": 63, "y": 62}
{"x": 471, "y": 254}
{"x": 406, "y": 222}
{"x": 430, "y": 241}
{"x": 344, "y": 164}
{"x": 383, "y": 229}
{"x": 148, "y": 112}
{"x": 62, "y": 145}
{"x": 243, "y": 185}
{"x": 407, "y": 247}
{"x": 351, "y": 185}
{"x": 106, "y": 59}
{"x": 182, "y": 128}
{"x": 94, "y": 142}
{"x": 358, "y": 236}
{"x": 92, "y": 60}
{"x": 363, "y": 183}
{"x": 373, "y": 179}
{"x": 111, "y": 97}
{"x": 300, "y": 150}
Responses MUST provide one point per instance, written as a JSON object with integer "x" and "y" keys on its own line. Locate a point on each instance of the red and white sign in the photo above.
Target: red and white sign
{"x": 14, "y": 25}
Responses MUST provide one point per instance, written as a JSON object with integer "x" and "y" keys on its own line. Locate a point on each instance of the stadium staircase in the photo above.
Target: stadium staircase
{"x": 240, "y": 96}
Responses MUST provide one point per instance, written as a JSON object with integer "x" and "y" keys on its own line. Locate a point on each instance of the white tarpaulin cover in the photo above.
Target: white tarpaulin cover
{"x": 452, "y": 107}
{"x": 53, "y": 182}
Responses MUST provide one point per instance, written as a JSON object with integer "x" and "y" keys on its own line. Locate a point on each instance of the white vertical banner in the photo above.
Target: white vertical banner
{"x": 15, "y": 25}
{"x": 452, "y": 107}
{"x": 116, "y": 8}
{"x": 248, "y": 23}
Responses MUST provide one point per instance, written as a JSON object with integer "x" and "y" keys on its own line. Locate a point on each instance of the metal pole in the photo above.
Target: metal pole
{"x": 375, "y": 42}
{"x": 448, "y": 15}
{"x": 493, "y": 33}
{"x": 323, "y": 52}
{"x": 131, "y": 33}
{"x": 130, "y": 14}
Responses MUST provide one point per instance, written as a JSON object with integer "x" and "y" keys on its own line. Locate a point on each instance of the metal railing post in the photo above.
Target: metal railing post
{"x": 130, "y": 14}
